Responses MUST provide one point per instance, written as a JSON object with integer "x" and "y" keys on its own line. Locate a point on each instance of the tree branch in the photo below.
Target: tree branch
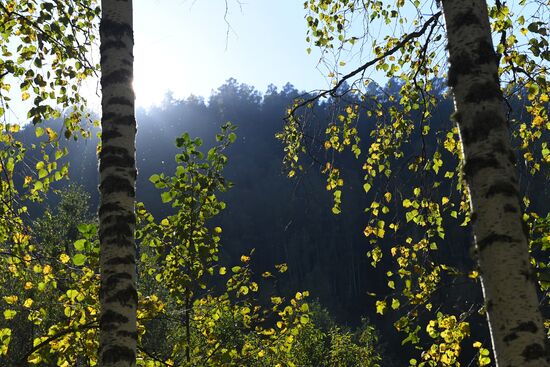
{"x": 365, "y": 66}
{"x": 89, "y": 325}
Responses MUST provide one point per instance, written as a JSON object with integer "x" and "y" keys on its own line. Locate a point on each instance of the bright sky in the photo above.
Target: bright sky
{"x": 186, "y": 46}
{"x": 183, "y": 45}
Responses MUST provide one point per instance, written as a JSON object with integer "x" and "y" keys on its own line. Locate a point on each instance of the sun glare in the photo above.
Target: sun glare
{"x": 149, "y": 87}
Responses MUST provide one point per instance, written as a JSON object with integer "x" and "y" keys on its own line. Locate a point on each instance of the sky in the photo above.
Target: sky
{"x": 187, "y": 47}
{"x": 194, "y": 46}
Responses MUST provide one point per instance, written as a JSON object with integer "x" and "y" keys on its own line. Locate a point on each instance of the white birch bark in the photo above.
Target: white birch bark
{"x": 508, "y": 282}
{"x": 118, "y": 295}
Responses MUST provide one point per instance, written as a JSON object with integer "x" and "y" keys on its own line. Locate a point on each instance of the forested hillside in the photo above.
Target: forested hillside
{"x": 286, "y": 220}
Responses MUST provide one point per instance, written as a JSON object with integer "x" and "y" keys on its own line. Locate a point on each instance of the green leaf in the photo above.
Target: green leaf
{"x": 411, "y": 215}
{"x": 79, "y": 259}
{"x": 72, "y": 293}
{"x": 82, "y": 228}
{"x": 154, "y": 178}
{"x": 166, "y": 197}
{"x": 9, "y": 314}
{"x": 367, "y": 187}
{"x": 79, "y": 244}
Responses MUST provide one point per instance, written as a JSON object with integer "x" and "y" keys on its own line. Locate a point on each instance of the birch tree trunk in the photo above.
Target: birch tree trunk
{"x": 118, "y": 295}
{"x": 508, "y": 282}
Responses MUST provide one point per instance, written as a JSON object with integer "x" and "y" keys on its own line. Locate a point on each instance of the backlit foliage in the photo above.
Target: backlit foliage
{"x": 408, "y": 225}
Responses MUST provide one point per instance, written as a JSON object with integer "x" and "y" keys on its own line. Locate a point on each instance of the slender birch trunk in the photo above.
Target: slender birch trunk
{"x": 118, "y": 295}
{"x": 508, "y": 282}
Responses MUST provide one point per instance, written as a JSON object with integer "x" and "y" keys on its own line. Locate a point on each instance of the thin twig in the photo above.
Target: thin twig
{"x": 365, "y": 66}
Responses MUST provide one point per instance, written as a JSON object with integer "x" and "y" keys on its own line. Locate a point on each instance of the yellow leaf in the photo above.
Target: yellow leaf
{"x": 476, "y": 345}
{"x": 282, "y": 267}
{"x": 25, "y": 96}
{"x": 34, "y": 360}
{"x": 52, "y": 135}
{"x": 368, "y": 231}
{"x": 538, "y": 121}
{"x": 387, "y": 196}
{"x": 9, "y": 314}
{"x": 444, "y": 200}
{"x": 21, "y": 238}
{"x": 380, "y": 307}
{"x": 10, "y": 300}
{"x": 483, "y": 361}
{"x": 28, "y": 303}
{"x": 254, "y": 287}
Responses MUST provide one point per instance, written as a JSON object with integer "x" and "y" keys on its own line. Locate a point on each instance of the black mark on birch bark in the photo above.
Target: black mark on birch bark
{"x": 484, "y": 91}
{"x": 502, "y": 188}
{"x": 110, "y": 319}
{"x": 113, "y": 184}
{"x": 473, "y": 165}
{"x": 492, "y": 238}
{"x": 117, "y": 354}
